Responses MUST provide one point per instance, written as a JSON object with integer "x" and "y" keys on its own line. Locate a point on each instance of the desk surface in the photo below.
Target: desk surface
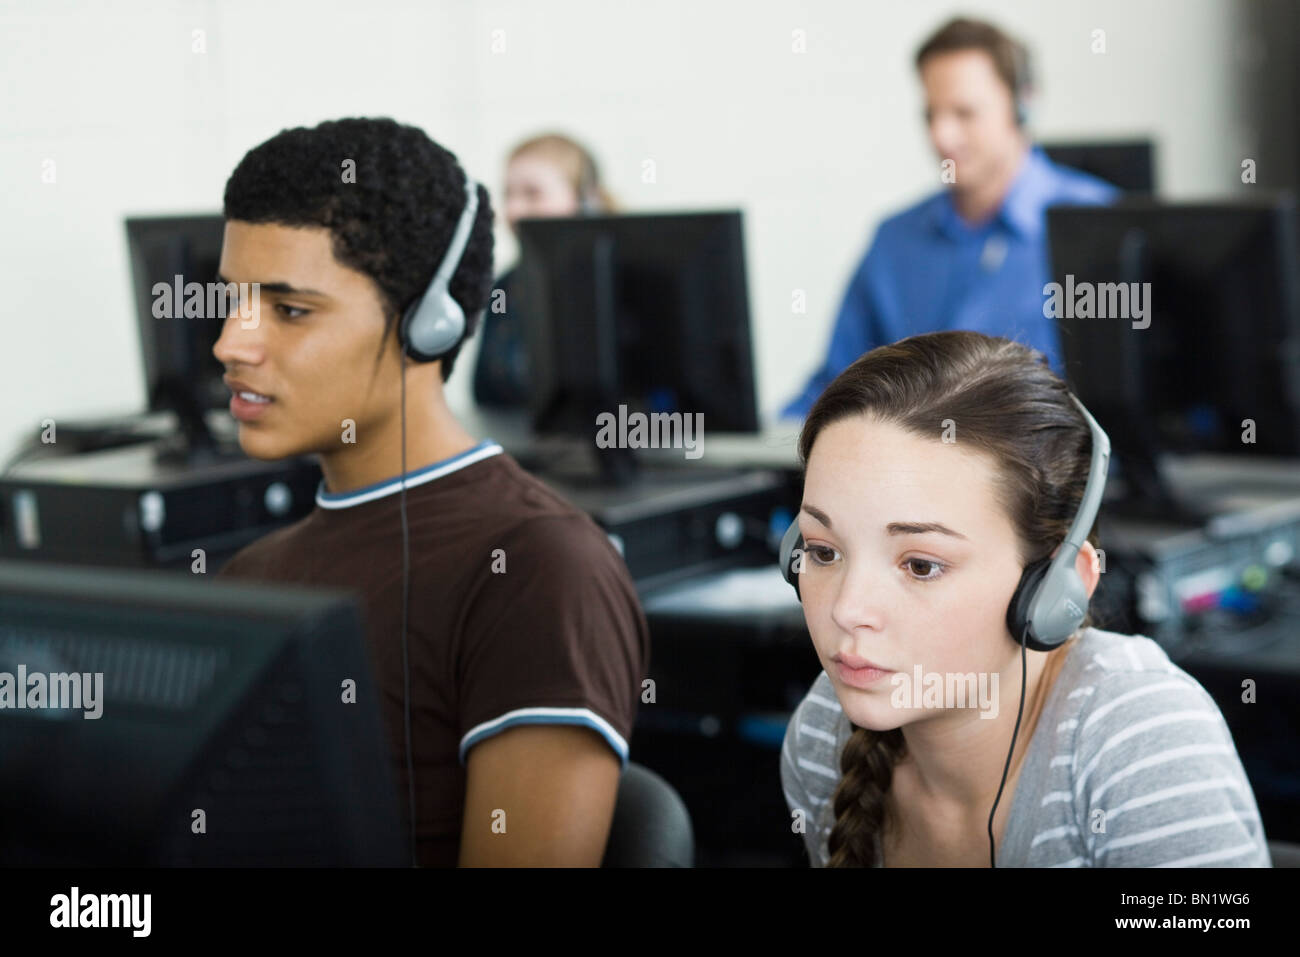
{"x": 774, "y": 447}
{"x": 745, "y": 592}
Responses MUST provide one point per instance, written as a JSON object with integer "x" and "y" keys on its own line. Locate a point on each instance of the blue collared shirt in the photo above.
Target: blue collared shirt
{"x": 928, "y": 270}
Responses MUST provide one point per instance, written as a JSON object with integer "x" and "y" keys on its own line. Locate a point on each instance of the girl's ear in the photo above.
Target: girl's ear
{"x": 1088, "y": 565}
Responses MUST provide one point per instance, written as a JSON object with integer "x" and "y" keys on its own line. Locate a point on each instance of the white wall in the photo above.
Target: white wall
{"x": 814, "y": 147}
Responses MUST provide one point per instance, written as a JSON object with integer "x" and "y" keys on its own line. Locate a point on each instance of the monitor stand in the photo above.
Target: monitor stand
{"x": 193, "y": 443}
{"x": 596, "y": 469}
{"x": 616, "y": 468}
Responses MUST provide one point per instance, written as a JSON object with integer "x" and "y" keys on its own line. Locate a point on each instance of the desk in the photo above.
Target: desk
{"x": 773, "y": 447}
{"x": 737, "y": 594}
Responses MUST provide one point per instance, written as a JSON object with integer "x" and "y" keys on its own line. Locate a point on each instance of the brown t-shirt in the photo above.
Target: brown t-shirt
{"x": 521, "y": 612}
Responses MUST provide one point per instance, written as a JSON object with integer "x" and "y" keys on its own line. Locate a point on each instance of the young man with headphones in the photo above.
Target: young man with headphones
{"x": 506, "y": 637}
{"x": 973, "y": 255}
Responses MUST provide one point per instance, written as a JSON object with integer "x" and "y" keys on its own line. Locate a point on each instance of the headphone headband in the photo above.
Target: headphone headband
{"x": 435, "y": 323}
{"x": 1097, "y": 469}
{"x": 1055, "y": 608}
{"x": 459, "y": 238}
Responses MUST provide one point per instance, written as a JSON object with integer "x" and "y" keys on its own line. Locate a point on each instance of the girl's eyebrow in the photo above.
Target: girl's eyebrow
{"x": 920, "y": 528}
{"x": 818, "y": 514}
{"x": 894, "y": 528}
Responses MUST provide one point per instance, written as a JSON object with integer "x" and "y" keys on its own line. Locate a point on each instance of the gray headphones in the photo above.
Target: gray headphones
{"x": 435, "y": 323}
{"x": 1051, "y": 600}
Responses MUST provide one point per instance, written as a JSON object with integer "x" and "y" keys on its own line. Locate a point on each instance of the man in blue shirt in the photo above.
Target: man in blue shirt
{"x": 973, "y": 256}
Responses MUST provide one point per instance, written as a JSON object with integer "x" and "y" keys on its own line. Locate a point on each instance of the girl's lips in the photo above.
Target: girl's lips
{"x": 860, "y": 677}
{"x": 858, "y": 672}
{"x": 857, "y": 664}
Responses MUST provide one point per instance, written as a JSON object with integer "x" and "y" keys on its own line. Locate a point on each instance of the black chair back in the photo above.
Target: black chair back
{"x": 651, "y": 826}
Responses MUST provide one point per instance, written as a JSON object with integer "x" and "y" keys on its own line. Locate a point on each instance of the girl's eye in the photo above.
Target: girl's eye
{"x": 821, "y": 554}
{"x": 285, "y": 309}
{"x": 913, "y": 562}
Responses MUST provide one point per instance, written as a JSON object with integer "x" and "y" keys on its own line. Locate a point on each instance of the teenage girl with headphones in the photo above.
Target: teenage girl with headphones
{"x": 968, "y": 712}
{"x": 546, "y": 176}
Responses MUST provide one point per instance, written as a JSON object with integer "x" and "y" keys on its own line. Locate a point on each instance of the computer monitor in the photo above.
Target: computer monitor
{"x": 181, "y": 373}
{"x": 1214, "y": 364}
{"x": 1128, "y": 164}
{"x": 227, "y": 733}
{"x": 648, "y": 312}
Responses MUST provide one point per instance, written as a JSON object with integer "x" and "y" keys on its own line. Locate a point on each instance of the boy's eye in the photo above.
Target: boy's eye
{"x": 290, "y": 312}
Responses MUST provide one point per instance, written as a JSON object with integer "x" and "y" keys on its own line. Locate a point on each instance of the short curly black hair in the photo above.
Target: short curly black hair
{"x": 394, "y": 223}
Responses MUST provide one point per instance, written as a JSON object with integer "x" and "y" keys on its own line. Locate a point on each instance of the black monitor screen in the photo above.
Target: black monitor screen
{"x": 1130, "y": 165}
{"x": 1207, "y": 357}
{"x": 646, "y": 311}
{"x": 150, "y": 718}
{"x": 180, "y": 369}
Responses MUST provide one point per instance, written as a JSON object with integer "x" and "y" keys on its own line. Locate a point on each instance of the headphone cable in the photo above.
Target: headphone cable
{"x": 1007, "y": 767}
{"x": 406, "y": 600}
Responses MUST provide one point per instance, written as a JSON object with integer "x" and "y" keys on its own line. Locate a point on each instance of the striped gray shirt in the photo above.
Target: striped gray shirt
{"x": 1124, "y": 731}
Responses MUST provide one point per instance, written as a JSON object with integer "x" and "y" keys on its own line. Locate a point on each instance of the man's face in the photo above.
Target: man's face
{"x": 971, "y": 116}
{"x": 309, "y": 345}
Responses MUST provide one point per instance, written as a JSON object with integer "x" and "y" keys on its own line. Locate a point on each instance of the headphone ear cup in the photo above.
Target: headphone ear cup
{"x": 433, "y": 327}
{"x": 791, "y": 551}
{"x": 1023, "y": 599}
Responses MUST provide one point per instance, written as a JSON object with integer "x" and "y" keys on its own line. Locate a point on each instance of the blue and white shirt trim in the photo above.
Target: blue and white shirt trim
{"x": 579, "y": 716}
{"x": 369, "y": 493}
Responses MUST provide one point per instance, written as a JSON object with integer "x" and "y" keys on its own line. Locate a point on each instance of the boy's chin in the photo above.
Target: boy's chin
{"x": 268, "y": 447}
